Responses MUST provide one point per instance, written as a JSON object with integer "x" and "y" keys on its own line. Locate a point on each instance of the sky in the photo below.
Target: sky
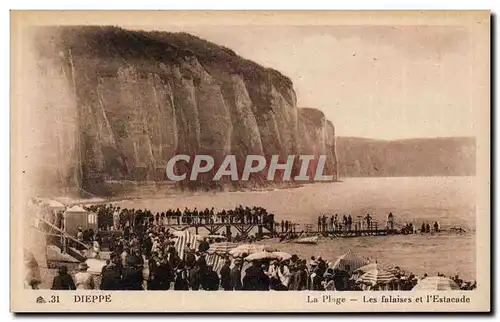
{"x": 381, "y": 81}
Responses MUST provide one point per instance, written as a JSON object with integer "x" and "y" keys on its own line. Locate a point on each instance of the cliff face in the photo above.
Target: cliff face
{"x": 317, "y": 137}
{"x": 360, "y": 157}
{"x": 135, "y": 99}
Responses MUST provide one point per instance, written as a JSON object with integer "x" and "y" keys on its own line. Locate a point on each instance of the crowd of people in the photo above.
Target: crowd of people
{"x": 345, "y": 222}
{"x": 144, "y": 255}
{"x": 149, "y": 260}
{"x": 125, "y": 272}
{"x": 116, "y": 218}
{"x": 336, "y": 223}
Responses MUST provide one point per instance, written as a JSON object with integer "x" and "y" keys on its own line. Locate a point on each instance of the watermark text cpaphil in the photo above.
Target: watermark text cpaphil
{"x": 293, "y": 167}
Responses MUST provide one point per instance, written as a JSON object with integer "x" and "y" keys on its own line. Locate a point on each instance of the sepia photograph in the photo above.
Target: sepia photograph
{"x": 339, "y": 157}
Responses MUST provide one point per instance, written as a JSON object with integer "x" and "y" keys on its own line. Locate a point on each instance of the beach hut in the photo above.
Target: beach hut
{"x": 76, "y": 217}
{"x": 55, "y": 206}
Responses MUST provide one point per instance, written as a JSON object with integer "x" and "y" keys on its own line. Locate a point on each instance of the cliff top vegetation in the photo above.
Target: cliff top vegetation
{"x": 156, "y": 46}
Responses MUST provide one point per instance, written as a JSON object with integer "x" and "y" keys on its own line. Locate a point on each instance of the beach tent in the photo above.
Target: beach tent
{"x": 216, "y": 238}
{"x": 76, "y": 217}
{"x": 398, "y": 271}
{"x": 376, "y": 277}
{"x": 268, "y": 255}
{"x": 221, "y": 248}
{"x": 350, "y": 262}
{"x": 184, "y": 238}
{"x": 216, "y": 260}
{"x": 250, "y": 249}
{"x": 55, "y": 205}
{"x": 367, "y": 268}
{"x": 435, "y": 283}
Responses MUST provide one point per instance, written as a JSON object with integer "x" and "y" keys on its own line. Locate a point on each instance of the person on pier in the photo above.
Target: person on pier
{"x": 390, "y": 221}
{"x": 368, "y": 219}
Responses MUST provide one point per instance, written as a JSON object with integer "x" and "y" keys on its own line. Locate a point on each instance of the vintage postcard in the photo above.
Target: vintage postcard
{"x": 250, "y": 161}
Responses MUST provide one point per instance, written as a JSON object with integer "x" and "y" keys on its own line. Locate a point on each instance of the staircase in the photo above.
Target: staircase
{"x": 76, "y": 254}
{"x": 65, "y": 239}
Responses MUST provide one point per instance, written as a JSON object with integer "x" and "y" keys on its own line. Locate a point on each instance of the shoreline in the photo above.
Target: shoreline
{"x": 170, "y": 191}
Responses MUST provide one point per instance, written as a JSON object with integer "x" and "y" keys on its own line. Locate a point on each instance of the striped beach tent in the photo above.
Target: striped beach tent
{"x": 367, "y": 268}
{"x": 221, "y": 248}
{"x": 250, "y": 249}
{"x": 216, "y": 260}
{"x": 398, "y": 271}
{"x": 350, "y": 262}
{"x": 183, "y": 239}
{"x": 376, "y": 277}
{"x": 436, "y": 283}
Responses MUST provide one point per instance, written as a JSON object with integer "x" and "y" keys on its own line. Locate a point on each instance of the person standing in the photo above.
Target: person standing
{"x": 225, "y": 276}
{"x": 272, "y": 272}
{"x": 116, "y": 219}
{"x": 301, "y": 278}
{"x": 110, "y": 277}
{"x": 390, "y": 221}
{"x": 195, "y": 277}
{"x": 132, "y": 275}
{"x": 236, "y": 275}
{"x": 436, "y": 227}
{"x": 211, "y": 279}
{"x": 368, "y": 219}
{"x": 96, "y": 248}
{"x": 181, "y": 283}
{"x": 83, "y": 279}
{"x": 204, "y": 245}
{"x": 33, "y": 277}
{"x": 284, "y": 274}
{"x": 63, "y": 281}
{"x": 164, "y": 275}
{"x": 251, "y": 281}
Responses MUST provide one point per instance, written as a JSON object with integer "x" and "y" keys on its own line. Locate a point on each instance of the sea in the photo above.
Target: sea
{"x": 451, "y": 201}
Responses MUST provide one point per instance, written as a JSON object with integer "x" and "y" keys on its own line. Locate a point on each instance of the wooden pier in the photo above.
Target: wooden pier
{"x": 272, "y": 229}
{"x": 360, "y": 233}
{"x": 356, "y": 231}
{"x": 213, "y": 228}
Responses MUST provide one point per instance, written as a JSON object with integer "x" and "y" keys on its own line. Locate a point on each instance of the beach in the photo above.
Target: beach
{"x": 448, "y": 200}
